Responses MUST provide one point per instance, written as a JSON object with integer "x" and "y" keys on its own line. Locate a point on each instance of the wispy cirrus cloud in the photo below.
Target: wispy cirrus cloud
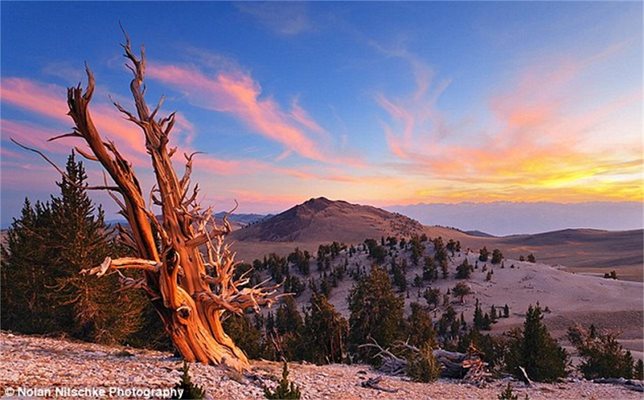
{"x": 45, "y": 100}
{"x": 537, "y": 146}
{"x": 238, "y": 94}
{"x": 286, "y": 19}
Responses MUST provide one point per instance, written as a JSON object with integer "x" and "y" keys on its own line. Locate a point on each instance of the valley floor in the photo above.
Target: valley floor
{"x": 46, "y": 363}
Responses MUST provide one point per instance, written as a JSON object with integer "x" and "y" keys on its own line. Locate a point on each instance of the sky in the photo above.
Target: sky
{"x": 383, "y": 103}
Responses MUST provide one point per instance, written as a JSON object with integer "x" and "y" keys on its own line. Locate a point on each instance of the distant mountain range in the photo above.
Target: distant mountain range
{"x": 237, "y": 220}
{"x": 243, "y": 219}
{"x": 507, "y": 218}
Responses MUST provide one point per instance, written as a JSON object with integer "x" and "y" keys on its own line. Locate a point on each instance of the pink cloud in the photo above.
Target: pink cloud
{"x": 238, "y": 94}
{"x": 50, "y": 101}
{"x": 537, "y": 145}
{"x": 302, "y": 117}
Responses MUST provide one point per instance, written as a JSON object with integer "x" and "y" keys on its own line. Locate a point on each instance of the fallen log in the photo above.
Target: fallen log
{"x": 467, "y": 366}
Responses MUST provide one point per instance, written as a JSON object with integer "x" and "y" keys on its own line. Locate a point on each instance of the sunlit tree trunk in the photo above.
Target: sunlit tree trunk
{"x": 189, "y": 290}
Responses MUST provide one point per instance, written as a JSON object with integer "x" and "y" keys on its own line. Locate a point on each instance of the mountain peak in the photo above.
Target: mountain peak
{"x": 321, "y": 219}
{"x": 317, "y": 204}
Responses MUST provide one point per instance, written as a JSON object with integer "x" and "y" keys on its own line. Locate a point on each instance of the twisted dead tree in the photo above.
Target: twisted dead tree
{"x": 190, "y": 290}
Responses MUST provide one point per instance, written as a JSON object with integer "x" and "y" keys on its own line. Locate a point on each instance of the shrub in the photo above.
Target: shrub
{"x": 190, "y": 390}
{"x": 285, "y": 389}
{"x": 423, "y": 366}
{"x": 611, "y": 275}
{"x": 508, "y": 394}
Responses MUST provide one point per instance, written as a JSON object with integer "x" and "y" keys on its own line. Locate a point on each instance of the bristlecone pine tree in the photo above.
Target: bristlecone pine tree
{"x": 189, "y": 291}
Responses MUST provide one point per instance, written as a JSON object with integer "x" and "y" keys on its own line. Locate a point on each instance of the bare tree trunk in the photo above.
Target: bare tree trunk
{"x": 189, "y": 291}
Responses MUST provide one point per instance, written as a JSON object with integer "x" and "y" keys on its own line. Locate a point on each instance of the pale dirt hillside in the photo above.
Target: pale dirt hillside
{"x": 45, "y": 363}
{"x": 614, "y": 305}
{"x": 320, "y": 221}
{"x": 588, "y": 251}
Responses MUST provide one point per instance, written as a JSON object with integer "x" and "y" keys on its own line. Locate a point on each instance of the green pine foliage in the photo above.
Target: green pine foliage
{"x": 285, "y": 389}
{"x": 432, "y": 296}
{"x": 638, "y": 370}
{"x": 26, "y": 297}
{"x": 245, "y": 334}
{"x": 535, "y": 350}
{"x": 603, "y": 356}
{"x": 484, "y": 253}
{"x": 417, "y": 249}
{"x": 508, "y": 394}
{"x": 420, "y": 328}
{"x": 376, "y": 313}
{"x": 464, "y": 270}
{"x": 461, "y": 290}
{"x": 190, "y": 390}
{"x": 324, "y": 335}
{"x": 423, "y": 366}
{"x": 47, "y": 247}
{"x": 497, "y": 256}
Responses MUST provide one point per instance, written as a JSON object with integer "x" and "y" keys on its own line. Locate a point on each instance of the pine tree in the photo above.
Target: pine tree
{"x": 484, "y": 253}
{"x": 464, "y": 270}
{"x": 190, "y": 390}
{"x": 603, "y": 356}
{"x": 26, "y": 297}
{"x": 432, "y": 296}
{"x": 497, "y": 256}
{"x": 638, "y": 370}
{"x": 535, "y": 350}
{"x": 429, "y": 269}
{"x": 461, "y": 290}
{"x": 420, "y": 328}
{"x": 376, "y": 313}
{"x": 288, "y": 323}
{"x": 80, "y": 240}
{"x": 46, "y": 250}
{"x": 324, "y": 336}
{"x": 423, "y": 366}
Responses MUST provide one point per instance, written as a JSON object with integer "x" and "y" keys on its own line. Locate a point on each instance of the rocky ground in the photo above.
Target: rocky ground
{"x": 43, "y": 364}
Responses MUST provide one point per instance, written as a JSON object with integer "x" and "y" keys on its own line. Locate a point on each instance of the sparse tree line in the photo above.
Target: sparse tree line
{"x": 44, "y": 293}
